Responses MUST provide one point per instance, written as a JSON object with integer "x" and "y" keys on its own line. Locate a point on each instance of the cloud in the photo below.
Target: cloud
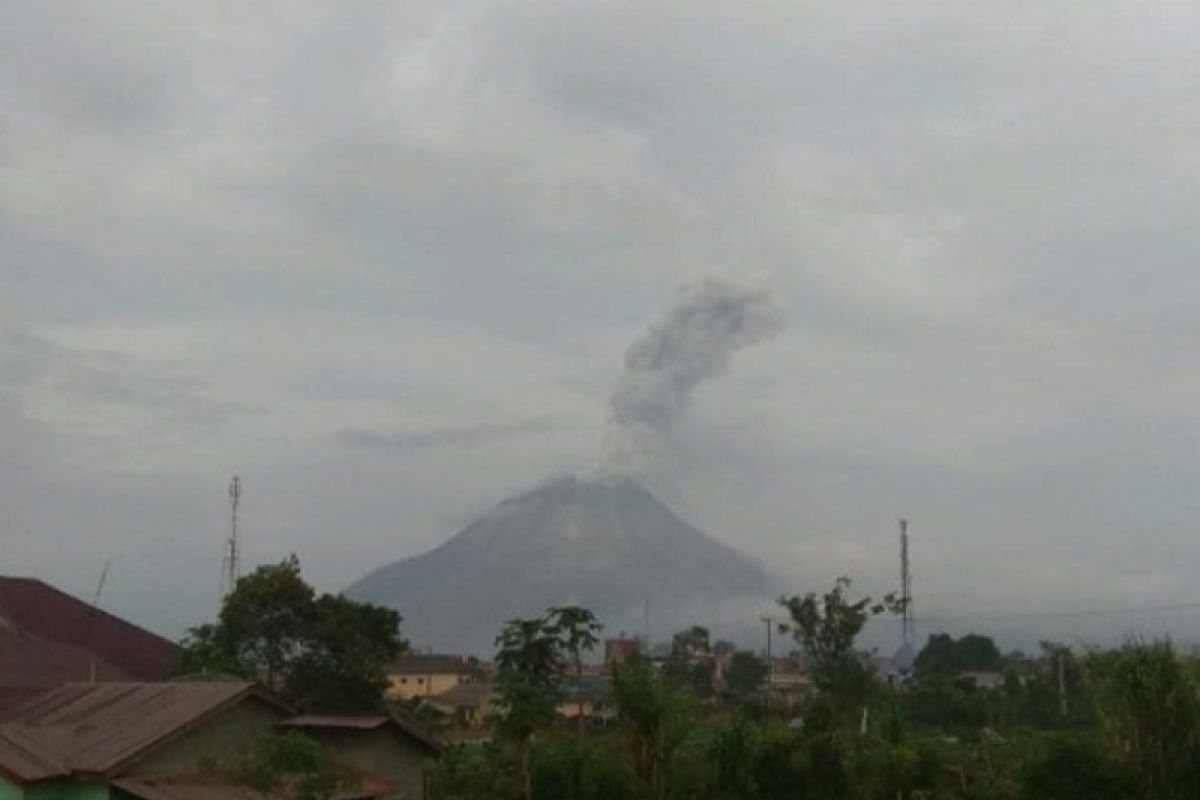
{"x": 223, "y": 236}
{"x": 466, "y": 435}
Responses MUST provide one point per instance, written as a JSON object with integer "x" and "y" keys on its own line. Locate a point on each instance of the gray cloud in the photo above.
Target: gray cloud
{"x": 458, "y": 436}
{"x": 220, "y": 232}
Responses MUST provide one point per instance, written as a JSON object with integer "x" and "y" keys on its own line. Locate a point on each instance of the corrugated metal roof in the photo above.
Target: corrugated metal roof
{"x": 28, "y": 756}
{"x": 335, "y": 721}
{"x": 431, "y": 664}
{"x": 366, "y": 723}
{"x": 38, "y": 609}
{"x": 112, "y": 724}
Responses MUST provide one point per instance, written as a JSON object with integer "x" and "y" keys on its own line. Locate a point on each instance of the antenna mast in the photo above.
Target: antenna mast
{"x": 909, "y": 628}
{"x": 231, "y": 570}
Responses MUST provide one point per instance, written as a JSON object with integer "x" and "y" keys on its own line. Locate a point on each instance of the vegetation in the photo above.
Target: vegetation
{"x": 288, "y": 765}
{"x": 322, "y": 653}
{"x": 1058, "y": 726}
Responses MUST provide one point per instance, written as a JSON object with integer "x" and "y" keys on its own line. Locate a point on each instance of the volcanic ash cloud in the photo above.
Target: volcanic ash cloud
{"x": 693, "y": 343}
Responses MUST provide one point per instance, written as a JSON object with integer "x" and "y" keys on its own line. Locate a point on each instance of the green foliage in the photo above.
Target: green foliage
{"x": 655, "y": 719}
{"x": 529, "y": 665}
{"x": 266, "y": 618}
{"x": 472, "y": 772}
{"x": 746, "y": 673}
{"x": 341, "y": 668}
{"x": 1150, "y": 713}
{"x": 322, "y": 653}
{"x": 826, "y": 627}
{"x": 291, "y": 765}
{"x": 570, "y": 768}
{"x": 1073, "y": 767}
{"x": 943, "y": 656}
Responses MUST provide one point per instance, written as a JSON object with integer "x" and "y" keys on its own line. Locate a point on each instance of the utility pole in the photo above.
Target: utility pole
{"x": 769, "y": 621}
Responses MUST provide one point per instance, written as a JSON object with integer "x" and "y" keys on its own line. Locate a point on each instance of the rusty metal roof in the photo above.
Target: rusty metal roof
{"x": 366, "y": 723}
{"x": 431, "y": 664}
{"x": 27, "y": 756}
{"x": 33, "y": 610}
{"x": 106, "y": 726}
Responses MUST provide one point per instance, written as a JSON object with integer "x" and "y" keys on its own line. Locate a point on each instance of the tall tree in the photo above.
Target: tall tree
{"x": 266, "y": 619}
{"x": 826, "y": 627}
{"x": 322, "y": 653}
{"x": 576, "y": 630}
{"x": 529, "y": 665}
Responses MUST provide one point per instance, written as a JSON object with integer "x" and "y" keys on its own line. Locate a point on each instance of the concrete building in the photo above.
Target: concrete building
{"x": 419, "y": 675}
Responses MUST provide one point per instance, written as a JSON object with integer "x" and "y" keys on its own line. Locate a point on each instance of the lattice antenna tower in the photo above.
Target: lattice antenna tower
{"x": 909, "y": 627}
{"x": 230, "y": 568}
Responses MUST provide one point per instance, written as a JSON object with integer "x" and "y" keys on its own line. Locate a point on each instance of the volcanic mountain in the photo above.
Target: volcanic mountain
{"x": 608, "y": 545}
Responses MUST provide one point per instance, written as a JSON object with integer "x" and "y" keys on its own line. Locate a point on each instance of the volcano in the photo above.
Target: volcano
{"x": 608, "y": 545}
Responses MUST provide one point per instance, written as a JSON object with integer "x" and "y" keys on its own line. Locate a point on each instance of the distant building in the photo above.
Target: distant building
{"x": 421, "y": 675}
{"x": 983, "y": 679}
{"x": 617, "y": 651}
{"x": 467, "y": 705}
{"x": 48, "y": 638}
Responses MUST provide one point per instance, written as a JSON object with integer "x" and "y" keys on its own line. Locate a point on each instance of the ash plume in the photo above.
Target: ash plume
{"x": 693, "y": 343}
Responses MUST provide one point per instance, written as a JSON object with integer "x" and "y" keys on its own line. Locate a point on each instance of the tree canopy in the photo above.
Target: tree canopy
{"x": 323, "y": 653}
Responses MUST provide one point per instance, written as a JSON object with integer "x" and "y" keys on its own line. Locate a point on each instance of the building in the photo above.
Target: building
{"x": 466, "y": 705}
{"x": 382, "y": 746}
{"x": 48, "y": 638}
{"x": 106, "y": 740}
{"x": 158, "y": 741}
{"x": 618, "y": 651}
{"x": 421, "y": 675}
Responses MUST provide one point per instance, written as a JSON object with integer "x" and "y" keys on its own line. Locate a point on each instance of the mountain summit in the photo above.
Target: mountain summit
{"x": 608, "y": 545}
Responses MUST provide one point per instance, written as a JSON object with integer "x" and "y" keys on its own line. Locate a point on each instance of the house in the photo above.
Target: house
{"x": 427, "y": 675}
{"x": 468, "y": 705}
{"x": 382, "y": 745}
{"x": 48, "y": 638}
{"x": 104, "y": 740}
{"x": 158, "y": 741}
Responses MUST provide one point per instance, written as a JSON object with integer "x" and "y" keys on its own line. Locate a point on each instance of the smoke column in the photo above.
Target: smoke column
{"x": 693, "y": 343}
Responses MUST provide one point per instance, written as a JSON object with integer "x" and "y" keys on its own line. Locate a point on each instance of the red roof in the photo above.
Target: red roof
{"x": 100, "y": 728}
{"x": 48, "y": 637}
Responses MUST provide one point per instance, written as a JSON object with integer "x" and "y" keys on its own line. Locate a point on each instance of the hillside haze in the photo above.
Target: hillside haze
{"x": 608, "y": 545}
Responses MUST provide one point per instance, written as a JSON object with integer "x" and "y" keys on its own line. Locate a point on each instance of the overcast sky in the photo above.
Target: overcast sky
{"x": 383, "y": 261}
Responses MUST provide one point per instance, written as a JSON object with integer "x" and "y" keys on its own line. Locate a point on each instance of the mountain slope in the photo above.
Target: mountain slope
{"x": 608, "y": 545}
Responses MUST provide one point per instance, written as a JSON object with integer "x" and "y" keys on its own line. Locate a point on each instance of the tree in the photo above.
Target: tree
{"x": 322, "y": 653}
{"x": 652, "y": 713}
{"x": 746, "y": 673}
{"x": 576, "y": 630}
{"x": 1150, "y": 712}
{"x": 265, "y": 619}
{"x": 341, "y": 668}
{"x": 826, "y": 627}
{"x": 289, "y": 765}
{"x": 528, "y": 667}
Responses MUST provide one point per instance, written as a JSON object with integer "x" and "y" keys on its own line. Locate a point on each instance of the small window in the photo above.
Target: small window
{"x": 420, "y": 680}
{"x": 404, "y": 680}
